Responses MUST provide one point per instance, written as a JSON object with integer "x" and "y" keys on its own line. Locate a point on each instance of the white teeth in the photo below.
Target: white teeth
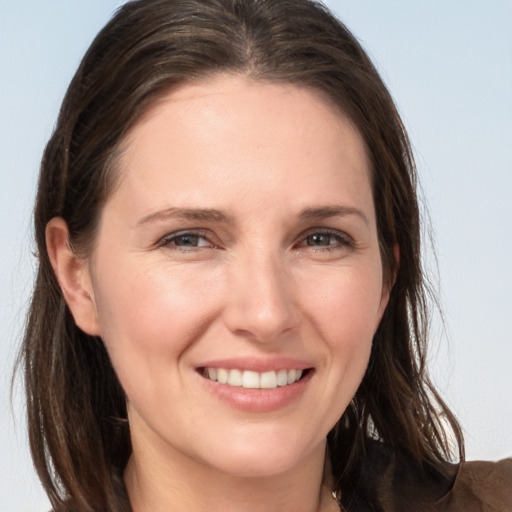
{"x": 222, "y": 376}
{"x": 250, "y": 380}
{"x": 253, "y": 380}
{"x": 235, "y": 378}
{"x": 268, "y": 380}
{"x": 293, "y": 376}
{"x": 282, "y": 378}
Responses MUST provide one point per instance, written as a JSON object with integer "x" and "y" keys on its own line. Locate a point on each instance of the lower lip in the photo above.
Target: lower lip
{"x": 258, "y": 400}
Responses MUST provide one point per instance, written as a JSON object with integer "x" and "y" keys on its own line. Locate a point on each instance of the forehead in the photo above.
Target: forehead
{"x": 227, "y": 94}
{"x": 230, "y": 132}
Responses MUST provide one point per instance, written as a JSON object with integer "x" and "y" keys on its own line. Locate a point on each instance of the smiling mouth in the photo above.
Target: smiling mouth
{"x": 254, "y": 380}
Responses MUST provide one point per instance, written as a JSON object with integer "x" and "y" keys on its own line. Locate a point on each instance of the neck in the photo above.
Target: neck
{"x": 159, "y": 480}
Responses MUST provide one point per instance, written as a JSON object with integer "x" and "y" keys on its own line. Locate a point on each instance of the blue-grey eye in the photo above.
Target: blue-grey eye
{"x": 187, "y": 240}
{"x": 322, "y": 239}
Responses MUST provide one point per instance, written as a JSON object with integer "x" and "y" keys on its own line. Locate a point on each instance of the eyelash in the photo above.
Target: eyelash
{"x": 168, "y": 240}
{"x": 342, "y": 240}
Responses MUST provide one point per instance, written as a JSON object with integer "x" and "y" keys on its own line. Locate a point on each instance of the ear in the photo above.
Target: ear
{"x": 73, "y": 275}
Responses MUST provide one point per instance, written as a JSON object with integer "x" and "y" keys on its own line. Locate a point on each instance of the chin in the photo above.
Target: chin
{"x": 262, "y": 455}
{"x": 254, "y": 465}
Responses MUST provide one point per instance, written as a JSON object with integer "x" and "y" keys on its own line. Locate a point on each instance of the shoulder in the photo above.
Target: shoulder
{"x": 390, "y": 482}
{"x": 481, "y": 485}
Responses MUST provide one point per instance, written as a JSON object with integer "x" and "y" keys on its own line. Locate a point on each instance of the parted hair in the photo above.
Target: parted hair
{"x": 78, "y": 428}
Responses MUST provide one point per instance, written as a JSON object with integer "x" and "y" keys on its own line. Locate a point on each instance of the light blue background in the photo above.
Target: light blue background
{"x": 448, "y": 65}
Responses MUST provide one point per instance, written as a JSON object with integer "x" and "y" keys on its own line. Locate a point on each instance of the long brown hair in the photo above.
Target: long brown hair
{"x": 79, "y": 435}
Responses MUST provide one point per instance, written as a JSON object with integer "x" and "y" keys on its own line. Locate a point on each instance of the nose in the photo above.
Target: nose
{"x": 261, "y": 302}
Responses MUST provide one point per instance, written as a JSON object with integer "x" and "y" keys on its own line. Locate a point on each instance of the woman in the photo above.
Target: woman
{"x": 229, "y": 305}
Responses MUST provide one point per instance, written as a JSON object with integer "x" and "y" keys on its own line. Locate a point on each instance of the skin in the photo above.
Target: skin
{"x": 264, "y": 280}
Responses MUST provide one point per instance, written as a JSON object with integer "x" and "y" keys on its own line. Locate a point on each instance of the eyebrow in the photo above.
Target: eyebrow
{"x": 200, "y": 214}
{"x": 326, "y": 212}
{"x": 214, "y": 215}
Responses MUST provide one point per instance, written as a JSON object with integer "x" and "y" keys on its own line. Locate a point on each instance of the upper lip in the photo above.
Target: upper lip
{"x": 259, "y": 365}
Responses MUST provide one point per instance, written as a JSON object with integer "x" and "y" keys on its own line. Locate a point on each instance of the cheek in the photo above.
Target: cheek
{"x": 345, "y": 310}
{"x": 346, "y": 305}
{"x": 149, "y": 317}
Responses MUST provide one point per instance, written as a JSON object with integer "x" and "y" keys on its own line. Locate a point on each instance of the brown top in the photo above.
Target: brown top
{"x": 391, "y": 483}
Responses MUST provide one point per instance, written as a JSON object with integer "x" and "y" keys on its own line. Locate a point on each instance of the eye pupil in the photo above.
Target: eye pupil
{"x": 319, "y": 239}
{"x": 187, "y": 241}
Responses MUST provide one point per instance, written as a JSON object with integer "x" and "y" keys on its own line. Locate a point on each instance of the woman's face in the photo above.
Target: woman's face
{"x": 238, "y": 254}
